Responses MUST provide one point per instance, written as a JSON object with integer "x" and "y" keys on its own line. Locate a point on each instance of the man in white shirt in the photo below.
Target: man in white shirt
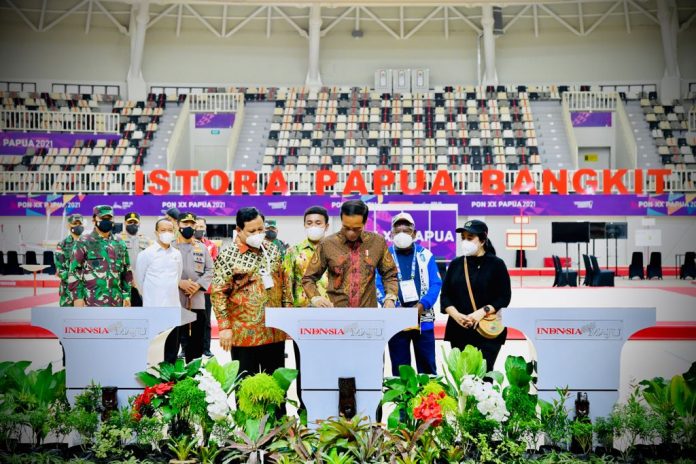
{"x": 158, "y": 272}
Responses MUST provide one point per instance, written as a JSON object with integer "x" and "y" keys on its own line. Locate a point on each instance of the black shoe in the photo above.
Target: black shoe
{"x": 208, "y": 354}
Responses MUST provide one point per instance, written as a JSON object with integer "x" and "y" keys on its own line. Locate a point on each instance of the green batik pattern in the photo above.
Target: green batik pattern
{"x": 100, "y": 271}
{"x": 295, "y": 264}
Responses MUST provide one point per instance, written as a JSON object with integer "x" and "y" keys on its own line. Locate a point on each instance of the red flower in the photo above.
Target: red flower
{"x": 429, "y": 409}
{"x": 145, "y": 398}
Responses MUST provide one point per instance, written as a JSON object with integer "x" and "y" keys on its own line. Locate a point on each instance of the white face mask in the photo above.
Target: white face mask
{"x": 167, "y": 237}
{"x": 469, "y": 248}
{"x": 256, "y": 240}
{"x": 315, "y": 233}
{"x": 403, "y": 240}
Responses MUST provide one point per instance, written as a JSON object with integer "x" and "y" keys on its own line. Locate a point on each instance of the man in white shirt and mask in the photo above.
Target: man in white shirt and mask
{"x": 158, "y": 272}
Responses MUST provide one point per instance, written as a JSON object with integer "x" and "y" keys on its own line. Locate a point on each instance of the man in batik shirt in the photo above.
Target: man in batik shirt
{"x": 248, "y": 278}
{"x": 351, "y": 258}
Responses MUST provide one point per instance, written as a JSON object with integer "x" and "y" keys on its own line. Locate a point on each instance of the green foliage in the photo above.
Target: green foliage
{"x": 460, "y": 363}
{"x": 258, "y": 395}
{"x": 554, "y": 419}
{"x": 523, "y": 422}
{"x": 167, "y": 372}
{"x": 182, "y": 447}
{"x": 188, "y": 400}
{"x": 402, "y": 391}
{"x": 604, "y": 429}
{"x": 208, "y": 454}
{"x": 336, "y": 457}
{"x": 582, "y": 433}
{"x": 227, "y": 374}
{"x": 634, "y": 422}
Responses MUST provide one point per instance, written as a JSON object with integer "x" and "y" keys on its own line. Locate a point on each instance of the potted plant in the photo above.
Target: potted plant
{"x": 182, "y": 448}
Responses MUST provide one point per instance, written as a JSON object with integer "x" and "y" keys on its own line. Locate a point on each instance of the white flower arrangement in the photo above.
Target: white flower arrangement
{"x": 489, "y": 401}
{"x": 214, "y": 395}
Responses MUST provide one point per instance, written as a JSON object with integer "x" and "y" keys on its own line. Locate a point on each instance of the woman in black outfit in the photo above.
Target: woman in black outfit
{"x": 490, "y": 283}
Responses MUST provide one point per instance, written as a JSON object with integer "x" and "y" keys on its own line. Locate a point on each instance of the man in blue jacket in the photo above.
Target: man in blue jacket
{"x": 419, "y": 286}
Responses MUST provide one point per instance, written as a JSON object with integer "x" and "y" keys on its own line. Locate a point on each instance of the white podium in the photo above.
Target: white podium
{"x": 107, "y": 345}
{"x": 580, "y": 348}
{"x": 341, "y": 342}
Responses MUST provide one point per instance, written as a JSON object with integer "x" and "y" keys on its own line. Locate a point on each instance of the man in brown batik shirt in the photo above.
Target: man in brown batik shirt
{"x": 351, "y": 258}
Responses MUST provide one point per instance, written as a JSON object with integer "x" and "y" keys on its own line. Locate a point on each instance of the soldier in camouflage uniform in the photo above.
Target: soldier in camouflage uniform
{"x": 63, "y": 255}
{"x": 272, "y": 235}
{"x": 135, "y": 243}
{"x": 100, "y": 273}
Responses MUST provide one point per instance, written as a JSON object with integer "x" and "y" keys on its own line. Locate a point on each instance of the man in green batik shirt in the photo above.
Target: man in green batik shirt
{"x": 100, "y": 272}
{"x": 297, "y": 257}
{"x": 63, "y": 255}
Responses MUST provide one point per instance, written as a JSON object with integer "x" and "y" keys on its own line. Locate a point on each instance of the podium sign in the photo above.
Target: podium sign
{"x": 107, "y": 345}
{"x": 341, "y": 342}
{"x": 580, "y": 348}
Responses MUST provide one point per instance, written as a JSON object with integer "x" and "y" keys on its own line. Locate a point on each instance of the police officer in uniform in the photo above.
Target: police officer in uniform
{"x": 63, "y": 256}
{"x": 100, "y": 272}
{"x": 195, "y": 280}
{"x": 135, "y": 243}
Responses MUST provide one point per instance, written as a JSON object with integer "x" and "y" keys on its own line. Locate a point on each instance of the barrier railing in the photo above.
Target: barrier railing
{"x": 570, "y": 132}
{"x": 174, "y": 147}
{"x": 59, "y": 121}
{"x": 627, "y": 148}
{"x": 299, "y": 183}
{"x": 234, "y": 136}
{"x": 215, "y": 102}
{"x": 591, "y": 101}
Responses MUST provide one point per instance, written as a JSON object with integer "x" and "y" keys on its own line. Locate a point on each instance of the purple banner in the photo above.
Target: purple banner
{"x": 214, "y": 120}
{"x": 434, "y": 228}
{"x": 16, "y": 143}
{"x": 591, "y": 118}
{"x": 483, "y": 205}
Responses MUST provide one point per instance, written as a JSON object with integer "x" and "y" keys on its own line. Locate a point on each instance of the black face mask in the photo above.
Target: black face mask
{"x": 271, "y": 234}
{"x": 105, "y": 225}
{"x": 77, "y": 230}
{"x": 186, "y": 232}
{"x": 199, "y": 234}
{"x": 132, "y": 229}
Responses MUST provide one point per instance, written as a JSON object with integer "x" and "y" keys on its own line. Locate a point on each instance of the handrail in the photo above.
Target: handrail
{"x": 215, "y": 102}
{"x": 464, "y": 182}
{"x": 591, "y": 101}
{"x": 626, "y": 133}
{"x": 180, "y": 129}
{"x": 570, "y": 132}
{"x": 234, "y": 135}
{"x": 59, "y": 121}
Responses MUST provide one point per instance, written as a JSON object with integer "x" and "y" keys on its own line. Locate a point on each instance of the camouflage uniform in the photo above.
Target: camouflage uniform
{"x": 100, "y": 272}
{"x": 62, "y": 257}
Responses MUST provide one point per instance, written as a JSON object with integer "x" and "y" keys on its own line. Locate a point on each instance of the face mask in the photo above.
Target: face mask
{"x": 315, "y": 233}
{"x": 132, "y": 229}
{"x": 199, "y": 234}
{"x": 271, "y": 234}
{"x": 186, "y": 232}
{"x": 469, "y": 248}
{"x": 403, "y": 240}
{"x": 167, "y": 237}
{"x": 105, "y": 225}
{"x": 77, "y": 230}
{"x": 255, "y": 240}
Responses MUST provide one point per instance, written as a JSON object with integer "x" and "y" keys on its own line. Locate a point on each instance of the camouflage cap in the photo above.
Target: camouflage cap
{"x": 103, "y": 210}
{"x": 74, "y": 218}
{"x": 271, "y": 223}
{"x": 132, "y": 217}
{"x": 187, "y": 217}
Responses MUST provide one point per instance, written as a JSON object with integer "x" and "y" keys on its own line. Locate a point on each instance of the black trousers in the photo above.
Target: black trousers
{"x": 136, "y": 299}
{"x": 256, "y": 359}
{"x": 298, "y": 381}
{"x": 206, "y": 328}
{"x": 194, "y": 334}
{"x": 489, "y": 350}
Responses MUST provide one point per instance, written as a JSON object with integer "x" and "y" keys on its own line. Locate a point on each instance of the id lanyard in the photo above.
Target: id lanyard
{"x": 408, "y": 287}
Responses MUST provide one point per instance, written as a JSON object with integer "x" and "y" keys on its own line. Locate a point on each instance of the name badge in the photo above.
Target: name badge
{"x": 267, "y": 281}
{"x": 409, "y": 291}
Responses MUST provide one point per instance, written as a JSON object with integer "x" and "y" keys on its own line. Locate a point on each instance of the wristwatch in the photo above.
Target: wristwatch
{"x": 487, "y": 309}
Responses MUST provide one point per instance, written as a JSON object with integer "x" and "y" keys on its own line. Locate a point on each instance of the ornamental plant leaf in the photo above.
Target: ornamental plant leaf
{"x": 147, "y": 379}
{"x": 226, "y": 375}
{"x": 679, "y": 393}
{"x": 193, "y": 367}
{"x": 517, "y": 372}
{"x": 284, "y": 377}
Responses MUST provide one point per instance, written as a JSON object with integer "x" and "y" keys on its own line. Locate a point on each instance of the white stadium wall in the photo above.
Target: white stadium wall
{"x": 66, "y": 54}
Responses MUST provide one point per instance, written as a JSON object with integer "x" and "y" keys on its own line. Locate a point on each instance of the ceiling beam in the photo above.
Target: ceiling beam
{"x": 161, "y": 15}
{"x": 423, "y": 22}
{"x": 294, "y": 25}
{"x": 463, "y": 17}
{"x": 380, "y": 22}
{"x": 203, "y": 20}
{"x": 559, "y": 19}
{"x": 111, "y": 17}
{"x": 644, "y": 11}
{"x": 602, "y": 18}
{"x": 515, "y": 18}
{"x": 340, "y": 18}
{"x": 21, "y": 14}
{"x": 63, "y": 16}
{"x": 43, "y": 14}
{"x": 685, "y": 25}
{"x": 244, "y": 22}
